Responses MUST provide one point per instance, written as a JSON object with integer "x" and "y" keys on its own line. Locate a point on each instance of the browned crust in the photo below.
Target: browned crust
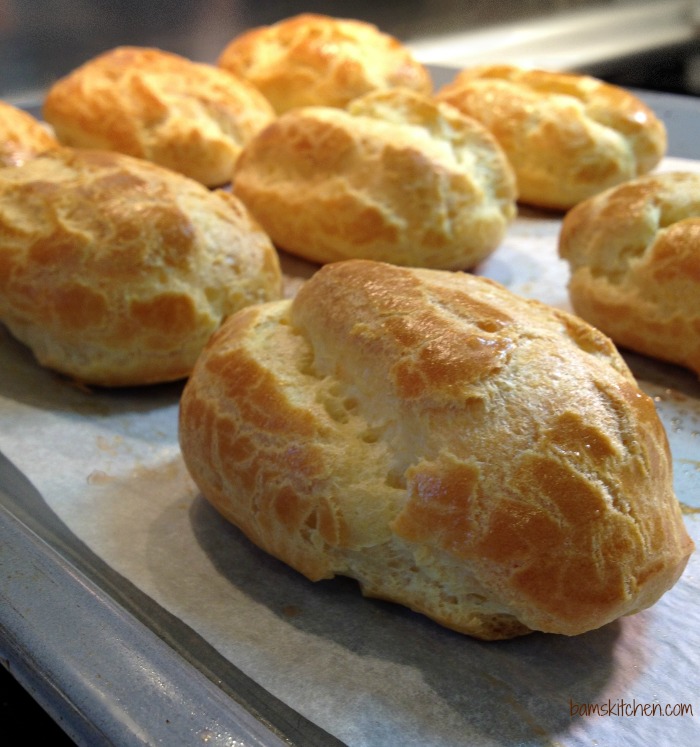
{"x": 190, "y": 117}
{"x": 317, "y": 60}
{"x": 21, "y": 136}
{"x": 634, "y": 253}
{"x": 568, "y": 136}
{"x": 396, "y": 178}
{"x": 115, "y": 271}
{"x": 475, "y": 456}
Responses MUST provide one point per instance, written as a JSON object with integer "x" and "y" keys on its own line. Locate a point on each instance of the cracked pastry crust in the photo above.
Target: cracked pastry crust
{"x": 190, "y": 117}
{"x": 21, "y": 136}
{"x": 568, "y": 136}
{"x": 396, "y": 177}
{"x": 478, "y": 457}
{"x": 317, "y": 60}
{"x": 634, "y": 255}
{"x": 115, "y": 271}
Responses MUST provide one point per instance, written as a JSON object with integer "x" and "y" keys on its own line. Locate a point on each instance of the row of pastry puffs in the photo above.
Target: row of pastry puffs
{"x": 332, "y": 137}
{"x": 483, "y": 459}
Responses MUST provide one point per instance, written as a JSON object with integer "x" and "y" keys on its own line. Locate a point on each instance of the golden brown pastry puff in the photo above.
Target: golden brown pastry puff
{"x": 394, "y": 177}
{"x": 21, "y": 136}
{"x": 481, "y": 458}
{"x": 568, "y": 136}
{"x": 115, "y": 271}
{"x": 312, "y": 59}
{"x": 634, "y": 255}
{"x": 190, "y": 117}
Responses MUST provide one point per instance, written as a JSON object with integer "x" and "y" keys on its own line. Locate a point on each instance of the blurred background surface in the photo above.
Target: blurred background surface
{"x": 645, "y": 43}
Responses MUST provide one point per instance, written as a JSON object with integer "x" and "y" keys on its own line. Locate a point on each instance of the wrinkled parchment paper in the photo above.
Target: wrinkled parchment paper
{"x": 368, "y": 672}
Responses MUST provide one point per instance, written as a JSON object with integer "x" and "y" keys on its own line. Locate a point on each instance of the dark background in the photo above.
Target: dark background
{"x": 41, "y": 40}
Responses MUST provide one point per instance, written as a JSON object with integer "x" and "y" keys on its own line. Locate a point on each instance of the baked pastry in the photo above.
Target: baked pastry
{"x": 190, "y": 117}
{"x": 481, "y": 458}
{"x": 568, "y": 136}
{"x": 318, "y": 60}
{"x": 396, "y": 177}
{"x": 21, "y": 136}
{"x": 634, "y": 256}
{"x": 115, "y": 271}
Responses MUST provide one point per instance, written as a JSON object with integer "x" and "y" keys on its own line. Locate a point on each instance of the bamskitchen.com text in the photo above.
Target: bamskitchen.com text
{"x": 627, "y": 708}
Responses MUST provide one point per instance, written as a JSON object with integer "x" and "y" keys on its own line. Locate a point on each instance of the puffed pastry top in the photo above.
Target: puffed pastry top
{"x": 634, "y": 258}
{"x": 21, "y": 136}
{"x": 481, "y": 458}
{"x": 190, "y": 117}
{"x": 317, "y": 60}
{"x": 395, "y": 177}
{"x": 567, "y": 135}
{"x": 115, "y": 271}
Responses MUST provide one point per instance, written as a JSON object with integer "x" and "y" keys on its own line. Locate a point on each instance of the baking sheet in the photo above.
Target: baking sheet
{"x": 367, "y": 672}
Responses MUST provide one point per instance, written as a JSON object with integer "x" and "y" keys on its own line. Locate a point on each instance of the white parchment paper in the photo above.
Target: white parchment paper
{"x": 368, "y": 672}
